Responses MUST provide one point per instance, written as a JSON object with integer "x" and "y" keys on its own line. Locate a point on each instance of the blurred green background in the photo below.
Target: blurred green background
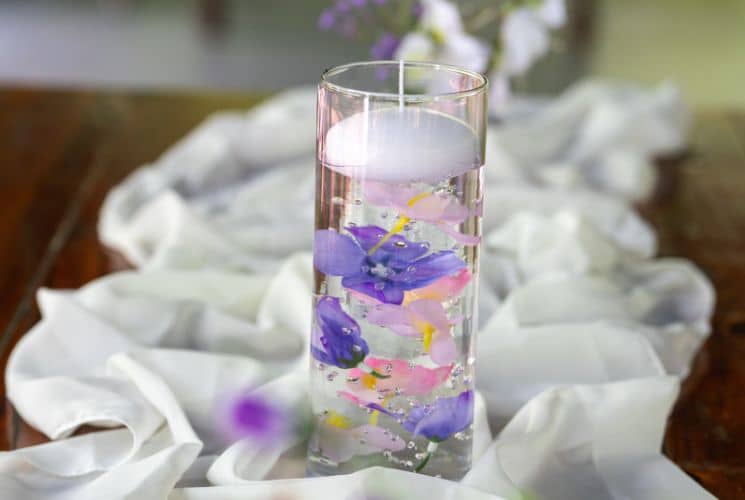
{"x": 270, "y": 44}
{"x": 698, "y": 43}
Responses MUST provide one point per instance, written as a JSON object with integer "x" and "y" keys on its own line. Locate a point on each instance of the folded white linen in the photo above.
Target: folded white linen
{"x": 579, "y": 324}
{"x": 166, "y": 395}
{"x": 597, "y": 135}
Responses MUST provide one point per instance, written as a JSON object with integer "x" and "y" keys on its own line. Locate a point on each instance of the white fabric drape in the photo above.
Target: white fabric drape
{"x": 583, "y": 332}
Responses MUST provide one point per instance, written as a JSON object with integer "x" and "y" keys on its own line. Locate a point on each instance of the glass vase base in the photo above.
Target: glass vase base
{"x": 444, "y": 465}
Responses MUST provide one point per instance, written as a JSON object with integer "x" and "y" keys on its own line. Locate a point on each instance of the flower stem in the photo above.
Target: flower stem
{"x": 379, "y": 375}
{"x": 370, "y": 371}
{"x": 431, "y": 448}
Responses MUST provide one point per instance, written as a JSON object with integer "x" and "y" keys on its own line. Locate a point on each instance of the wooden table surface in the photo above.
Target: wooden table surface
{"x": 61, "y": 151}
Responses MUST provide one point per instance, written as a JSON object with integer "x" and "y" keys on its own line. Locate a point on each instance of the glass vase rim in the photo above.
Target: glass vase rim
{"x": 480, "y": 78}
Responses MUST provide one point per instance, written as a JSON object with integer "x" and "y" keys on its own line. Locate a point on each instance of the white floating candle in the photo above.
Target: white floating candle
{"x": 401, "y": 145}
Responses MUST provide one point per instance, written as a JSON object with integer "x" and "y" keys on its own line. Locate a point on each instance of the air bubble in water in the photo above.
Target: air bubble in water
{"x": 331, "y": 376}
{"x": 461, "y": 436}
{"x": 411, "y": 445}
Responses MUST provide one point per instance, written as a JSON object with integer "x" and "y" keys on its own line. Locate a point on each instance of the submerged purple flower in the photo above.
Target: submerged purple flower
{"x": 382, "y": 271}
{"x": 253, "y": 417}
{"x": 336, "y": 338}
{"x": 443, "y": 419}
{"x": 385, "y": 46}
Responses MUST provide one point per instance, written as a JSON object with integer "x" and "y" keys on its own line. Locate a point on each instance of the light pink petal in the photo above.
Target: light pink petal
{"x": 424, "y": 380}
{"x": 363, "y": 299}
{"x": 430, "y": 311}
{"x": 442, "y": 289}
{"x": 395, "y": 195}
{"x": 429, "y": 208}
{"x": 391, "y": 367}
{"x": 377, "y": 439}
{"x": 454, "y": 212}
{"x": 463, "y": 239}
{"x": 443, "y": 350}
{"x": 362, "y": 398}
{"x": 397, "y": 318}
{"x": 413, "y": 381}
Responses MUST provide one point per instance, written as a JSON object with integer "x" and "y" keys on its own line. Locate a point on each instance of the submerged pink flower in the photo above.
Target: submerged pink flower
{"x": 403, "y": 379}
{"x": 423, "y": 318}
{"x": 411, "y": 203}
{"x": 342, "y": 442}
{"x": 441, "y": 290}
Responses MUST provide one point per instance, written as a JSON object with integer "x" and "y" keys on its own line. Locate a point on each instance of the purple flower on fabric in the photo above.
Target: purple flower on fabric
{"x": 254, "y": 417}
{"x": 443, "y": 419}
{"x": 336, "y": 338}
{"x": 326, "y": 20}
{"x": 382, "y": 271}
{"x": 385, "y": 46}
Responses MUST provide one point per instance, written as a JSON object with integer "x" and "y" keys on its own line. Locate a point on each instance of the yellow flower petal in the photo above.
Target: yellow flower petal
{"x": 338, "y": 420}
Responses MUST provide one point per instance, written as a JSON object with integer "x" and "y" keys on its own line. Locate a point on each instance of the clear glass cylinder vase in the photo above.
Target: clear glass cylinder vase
{"x": 400, "y": 154}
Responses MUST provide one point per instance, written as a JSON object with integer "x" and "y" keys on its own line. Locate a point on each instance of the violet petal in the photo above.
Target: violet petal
{"x": 336, "y": 254}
